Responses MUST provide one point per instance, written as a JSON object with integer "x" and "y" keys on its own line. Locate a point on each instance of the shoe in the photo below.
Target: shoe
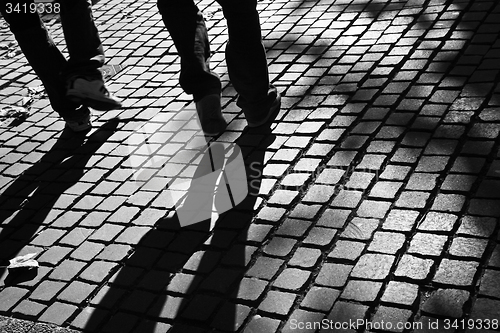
{"x": 267, "y": 114}
{"x": 80, "y": 121}
{"x": 93, "y": 93}
{"x": 209, "y": 112}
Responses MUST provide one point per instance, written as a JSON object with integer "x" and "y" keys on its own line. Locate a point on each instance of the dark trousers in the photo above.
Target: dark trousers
{"x": 245, "y": 54}
{"x": 86, "y": 54}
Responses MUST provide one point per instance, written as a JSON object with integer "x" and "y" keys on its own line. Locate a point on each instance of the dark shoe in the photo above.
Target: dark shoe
{"x": 91, "y": 92}
{"x": 209, "y": 111}
{"x": 265, "y": 115}
{"x": 79, "y": 121}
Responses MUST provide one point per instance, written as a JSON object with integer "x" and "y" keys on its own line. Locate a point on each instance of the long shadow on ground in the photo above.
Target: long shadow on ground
{"x": 187, "y": 279}
{"x": 28, "y": 201}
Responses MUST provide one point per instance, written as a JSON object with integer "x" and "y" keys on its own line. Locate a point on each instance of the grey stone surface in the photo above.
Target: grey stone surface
{"x": 374, "y": 191}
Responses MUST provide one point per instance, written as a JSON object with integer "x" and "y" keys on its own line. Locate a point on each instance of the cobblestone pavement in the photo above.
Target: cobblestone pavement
{"x": 374, "y": 196}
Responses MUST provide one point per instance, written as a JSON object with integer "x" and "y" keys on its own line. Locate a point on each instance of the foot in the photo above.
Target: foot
{"x": 93, "y": 93}
{"x": 267, "y": 113}
{"x": 210, "y": 114}
{"x": 79, "y": 121}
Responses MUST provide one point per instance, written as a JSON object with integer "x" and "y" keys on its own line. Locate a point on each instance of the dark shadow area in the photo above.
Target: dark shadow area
{"x": 28, "y": 201}
{"x": 189, "y": 275}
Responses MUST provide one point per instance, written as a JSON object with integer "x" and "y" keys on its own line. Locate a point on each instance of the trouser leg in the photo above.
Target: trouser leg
{"x": 41, "y": 53}
{"x": 85, "y": 50}
{"x": 245, "y": 54}
{"x": 186, "y": 26}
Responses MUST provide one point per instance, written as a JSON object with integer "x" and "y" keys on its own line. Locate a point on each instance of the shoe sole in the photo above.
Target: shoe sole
{"x": 80, "y": 129}
{"x": 214, "y": 133}
{"x": 272, "y": 110}
{"x": 220, "y": 122}
{"x": 93, "y": 101}
{"x": 85, "y": 126}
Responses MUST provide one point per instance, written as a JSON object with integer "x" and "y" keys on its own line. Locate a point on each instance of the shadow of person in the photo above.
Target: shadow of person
{"x": 186, "y": 279}
{"x": 205, "y": 184}
{"x": 218, "y": 185}
{"x": 28, "y": 201}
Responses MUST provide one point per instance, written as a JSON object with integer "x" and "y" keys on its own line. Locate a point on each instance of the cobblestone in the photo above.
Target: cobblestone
{"x": 47, "y": 290}
{"x": 54, "y": 255}
{"x": 76, "y": 292}
{"x": 400, "y": 293}
{"x": 387, "y": 242}
{"x": 292, "y": 279}
{"x": 11, "y": 296}
{"x": 48, "y": 237}
{"x": 347, "y": 250}
{"x": 97, "y": 271}
{"x": 394, "y": 316}
{"x": 412, "y": 199}
{"x": 320, "y": 298}
{"x": 373, "y": 266}
{"x": 265, "y": 268}
{"x": 67, "y": 270}
{"x": 302, "y": 316}
{"x": 333, "y": 275}
{"x": 361, "y": 291}
{"x": 454, "y": 272}
{"x": 320, "y": 236}
{"x": 454, "y": 299}
{"x": 427, "y": 244}
{"x": 277, "y": 302}
{"x": 87, "y": 251}
{"x": 58, "y": 313}
{"x": 485, "y": 308}
{"x": 106, "y": 233}
{"x": 305, "y": 257}
{"x": 468, "y": 247}
{"x": 262, "y": 324}
{"x": 29, "y": 309}
{"x": 378, "y": 180}
{"x": 413, "y": 267}
{"x": 348, "y": 311}
{"x": 279, "y": 246}
{"x": 435, "y": 221}
{"x": 360, "y": 229}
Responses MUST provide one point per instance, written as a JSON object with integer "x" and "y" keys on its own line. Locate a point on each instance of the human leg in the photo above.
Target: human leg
{"x": 186, "y": 26}
{"x": 86, "y": 57}
{"x": 247, "y": 62}
{"x": 85, "y": 50}
{"x": 44, "y": 57}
